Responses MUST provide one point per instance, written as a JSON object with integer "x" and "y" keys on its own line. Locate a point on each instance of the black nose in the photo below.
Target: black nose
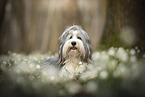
{"x": 73, "y": 43}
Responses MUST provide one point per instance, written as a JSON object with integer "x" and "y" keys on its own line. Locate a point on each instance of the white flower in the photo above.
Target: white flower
{"x": 112, "y": 65}
{"x": 4, "y": 62}
{"x": 81, "y": 69}
{"x": 38, "y": 66}
{"x": 91, "y": 87}
{"x": 111, "y": 51}
{"x": 132, "y": 52}
{"x": 73, "y": 88}
{"x": 50, "y": 74}
{"x": 96, "y": 55}
{"x": 122, "y": 55}
{"x": 103, "y": 74}
{"x": 133, "y": 58}
{"x": 120, "y": 71}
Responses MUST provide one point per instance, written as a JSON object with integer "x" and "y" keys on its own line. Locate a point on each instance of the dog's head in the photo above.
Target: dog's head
{"x": 74, "y": 43}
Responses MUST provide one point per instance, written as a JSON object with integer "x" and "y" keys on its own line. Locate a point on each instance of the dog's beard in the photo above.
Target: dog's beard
{"x": 73, "y": 52}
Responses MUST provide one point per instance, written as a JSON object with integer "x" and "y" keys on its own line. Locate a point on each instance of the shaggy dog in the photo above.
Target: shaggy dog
{"x": 74, "y": 50}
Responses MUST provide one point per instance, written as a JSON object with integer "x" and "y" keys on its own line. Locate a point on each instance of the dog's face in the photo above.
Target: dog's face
{"x": 73, "y": 46}
{"x": 74, "y": 43}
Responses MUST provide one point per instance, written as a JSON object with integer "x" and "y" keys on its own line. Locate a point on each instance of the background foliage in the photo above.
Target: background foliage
{"x": 29, "y": 31}
{"x": 35, "y": 25}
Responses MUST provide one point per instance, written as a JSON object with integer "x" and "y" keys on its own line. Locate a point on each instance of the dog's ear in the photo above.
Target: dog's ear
{"x": 61, "y": 42}
{"x": 61, "y": 58}
{"x": 60, "y": 47}
{"x": 88, "y": 47}
{"x": 89, "y": 53}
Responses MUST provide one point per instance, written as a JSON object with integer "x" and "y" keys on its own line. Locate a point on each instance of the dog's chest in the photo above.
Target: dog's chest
{"x": 73, "y": 68}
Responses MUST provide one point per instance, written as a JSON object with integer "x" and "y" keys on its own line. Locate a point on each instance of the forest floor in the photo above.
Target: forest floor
{"x": 116, "y": 72}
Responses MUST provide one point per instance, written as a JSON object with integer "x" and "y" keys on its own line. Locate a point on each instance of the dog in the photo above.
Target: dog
{"x": 74, "y": 50}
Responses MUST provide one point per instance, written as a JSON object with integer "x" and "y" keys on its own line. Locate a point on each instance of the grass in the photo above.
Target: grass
{"x": 116, "y": 72}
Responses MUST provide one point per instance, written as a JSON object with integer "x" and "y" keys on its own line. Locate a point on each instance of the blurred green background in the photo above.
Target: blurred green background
{"x": 34, "y": 25}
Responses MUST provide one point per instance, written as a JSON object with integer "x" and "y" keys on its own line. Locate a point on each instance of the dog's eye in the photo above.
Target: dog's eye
{"x": 79, "y": 38}
{"x": 70, "y": 37}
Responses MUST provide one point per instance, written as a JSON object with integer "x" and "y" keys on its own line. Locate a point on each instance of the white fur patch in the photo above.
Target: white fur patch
{"x": 72, "y": 68}
{"x": 79, "y": 45}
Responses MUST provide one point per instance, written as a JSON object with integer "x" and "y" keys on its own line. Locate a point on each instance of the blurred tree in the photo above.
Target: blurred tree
{"x": 2, "y": 10}
{"x": 125, "y": 24}
{"x": 35, "y": 25}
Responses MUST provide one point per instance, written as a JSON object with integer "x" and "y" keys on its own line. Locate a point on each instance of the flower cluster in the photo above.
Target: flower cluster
{"x": 109, "y": 67}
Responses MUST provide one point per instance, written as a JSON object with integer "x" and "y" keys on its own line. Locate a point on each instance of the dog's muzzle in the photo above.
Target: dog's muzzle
{"x": 73, "y": 43}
